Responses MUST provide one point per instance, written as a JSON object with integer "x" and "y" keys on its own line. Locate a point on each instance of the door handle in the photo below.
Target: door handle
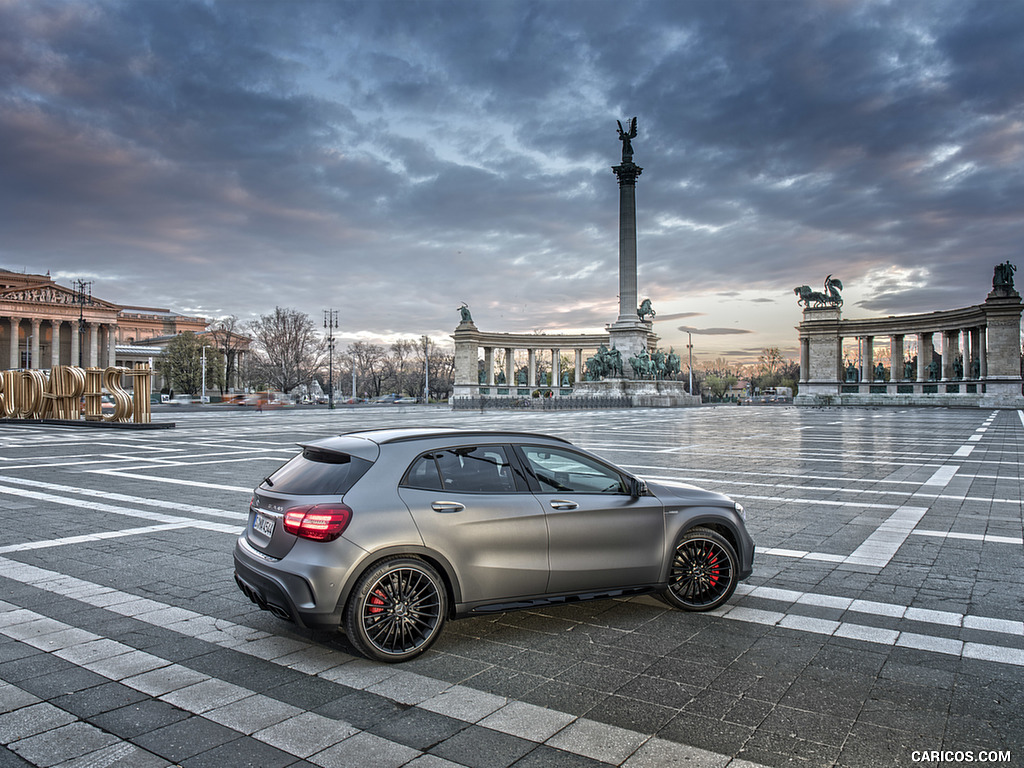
{"x": 563, "y": 504}
{"x": 447, "y": 506}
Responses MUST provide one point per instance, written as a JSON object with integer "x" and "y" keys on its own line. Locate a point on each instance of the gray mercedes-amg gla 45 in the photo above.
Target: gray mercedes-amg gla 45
{"x": 388, "y": 533}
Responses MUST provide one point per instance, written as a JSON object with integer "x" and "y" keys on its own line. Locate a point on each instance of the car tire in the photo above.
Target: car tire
{"x": 703, "y": 572}
{"x": 396, "y": 610}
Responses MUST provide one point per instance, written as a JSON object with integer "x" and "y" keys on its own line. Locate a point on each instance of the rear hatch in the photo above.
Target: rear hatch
{"x": 318, "y": 476}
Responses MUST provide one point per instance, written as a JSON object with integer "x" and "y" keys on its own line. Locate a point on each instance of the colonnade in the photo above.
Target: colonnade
{"x": 468, "y": 345}
{"x": 968, "y": 356}
{"x": 44, "y": 343}
{"x": 963, "y": 354}
{"x": 534, "y": 359}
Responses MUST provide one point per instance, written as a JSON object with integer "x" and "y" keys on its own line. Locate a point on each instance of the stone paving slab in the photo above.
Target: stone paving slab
{"x": 871, "y": 628}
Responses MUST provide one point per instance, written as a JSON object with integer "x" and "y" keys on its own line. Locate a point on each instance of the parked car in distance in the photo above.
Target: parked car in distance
{"x": 106, "y": 405}
{"x": 387, "y": 534}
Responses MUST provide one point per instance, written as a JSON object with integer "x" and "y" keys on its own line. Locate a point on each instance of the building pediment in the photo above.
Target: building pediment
{"x": 50, "y": 293}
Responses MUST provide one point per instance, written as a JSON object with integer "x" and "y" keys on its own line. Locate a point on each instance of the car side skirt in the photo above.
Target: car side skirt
{"x": 464, "y": 610}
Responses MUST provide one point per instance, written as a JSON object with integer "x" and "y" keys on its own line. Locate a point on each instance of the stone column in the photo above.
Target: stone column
{"x": 819, "y": 331}
{"x": 968, "y": 351}
{"x": 949, "y": 345}
{"x": 627, "y": 174}
{"x": 15, "y": 359}
{"x": 556, "y": 369}
{"x": 1003, "y": 325}
{"x": 532, "y": 369}
{"x": 489, "y": 366}
{"x": 76, "y": 344}
{"x": 94, "y": 343}
{"x": 867, "y": 356}
{"x": 34, "y": 361}
{"x": 805, "y": 351}
{"x": 896, "y": 357}
{"x": 579, "y": 365}
{"x": 924, "y": 355}
{"x": 55, "y": 326}
{"x": 112, "y": 345}
{"x": 510, "y": 367}
{"x": 628, "y": 334}
{"x": 467, "y": 380}
{"x": 983, "y": 350}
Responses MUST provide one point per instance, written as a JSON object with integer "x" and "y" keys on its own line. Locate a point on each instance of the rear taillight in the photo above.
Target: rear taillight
{"x": 320, "y": 522}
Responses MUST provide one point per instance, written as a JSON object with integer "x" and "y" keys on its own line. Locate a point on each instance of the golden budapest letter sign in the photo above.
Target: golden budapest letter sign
{"x": 70, "y": 393}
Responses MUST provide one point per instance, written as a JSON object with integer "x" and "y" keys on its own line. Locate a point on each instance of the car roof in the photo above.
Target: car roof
{"x": 366, "y": 443}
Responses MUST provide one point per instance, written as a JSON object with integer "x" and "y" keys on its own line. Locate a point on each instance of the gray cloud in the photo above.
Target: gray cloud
{"x": 383, "y": 158}
{"x": 713, "y": 331}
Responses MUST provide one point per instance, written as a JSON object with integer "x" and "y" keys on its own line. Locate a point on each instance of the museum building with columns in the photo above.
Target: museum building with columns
{"x": 44, "y": 325}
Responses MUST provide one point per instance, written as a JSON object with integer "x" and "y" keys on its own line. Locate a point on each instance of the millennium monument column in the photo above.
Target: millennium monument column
{"x": 629, "y": 334}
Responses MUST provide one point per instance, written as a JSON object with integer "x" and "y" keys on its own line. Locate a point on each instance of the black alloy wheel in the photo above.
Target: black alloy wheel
{"x": 703, "y": 573}
{"x": 396, "y": 610}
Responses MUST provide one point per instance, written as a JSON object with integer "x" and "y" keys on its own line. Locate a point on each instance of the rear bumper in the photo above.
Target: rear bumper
{"x": 287, "y": 596}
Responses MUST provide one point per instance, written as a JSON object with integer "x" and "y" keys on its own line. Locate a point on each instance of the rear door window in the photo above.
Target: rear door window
{"x": 317, "y": 472}
{"x": 471, "y": 469}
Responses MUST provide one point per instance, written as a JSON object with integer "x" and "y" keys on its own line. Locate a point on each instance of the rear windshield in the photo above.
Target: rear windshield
{"x": 315, "y": 472}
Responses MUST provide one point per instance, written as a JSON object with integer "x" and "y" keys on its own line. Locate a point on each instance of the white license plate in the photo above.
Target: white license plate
{"x": 263, "y": 524}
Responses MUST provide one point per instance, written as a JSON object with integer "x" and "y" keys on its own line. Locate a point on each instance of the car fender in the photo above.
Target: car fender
{"x": 712, "y": 518}
{"x": 434, "y": 558}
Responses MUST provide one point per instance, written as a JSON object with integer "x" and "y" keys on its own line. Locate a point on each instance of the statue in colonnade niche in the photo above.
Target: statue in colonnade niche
{"x": 908, "y": 367}
{"x": 958, "y": 368}
{"x": 975, "y": 368}
{"x": 879, "y": 372}
{"x": 852, "y": 374}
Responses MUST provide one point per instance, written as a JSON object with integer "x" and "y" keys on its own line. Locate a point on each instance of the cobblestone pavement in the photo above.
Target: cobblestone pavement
{"x": 883, "y": 624}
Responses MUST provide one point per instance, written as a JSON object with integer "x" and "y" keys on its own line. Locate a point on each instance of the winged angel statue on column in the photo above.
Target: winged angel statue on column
{"x": 627, "y": 146}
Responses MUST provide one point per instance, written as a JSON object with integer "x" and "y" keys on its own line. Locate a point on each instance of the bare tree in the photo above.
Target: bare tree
{"x": 289, "y": 350}
{"x": 441, "y": 366}
{"x": 401, "y": 378}
{"x": 227, "y": 336}
{"x": 369, "y": 362}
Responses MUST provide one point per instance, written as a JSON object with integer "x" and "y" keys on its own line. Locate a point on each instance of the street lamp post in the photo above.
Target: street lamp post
{"x": 83, "y": 296}
{"x": 689, "y": 346}
{"x": 330, "y": 323}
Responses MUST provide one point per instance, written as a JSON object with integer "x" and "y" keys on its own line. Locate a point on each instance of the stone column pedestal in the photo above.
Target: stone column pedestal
{"x": 1002, "y": 378}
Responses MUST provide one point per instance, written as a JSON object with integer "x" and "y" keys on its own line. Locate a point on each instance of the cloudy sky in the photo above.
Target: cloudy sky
{"x": 393, "y": 159}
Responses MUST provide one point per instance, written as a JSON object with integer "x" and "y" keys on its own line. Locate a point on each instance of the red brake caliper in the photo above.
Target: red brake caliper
{"x": 377, "y": 599}
{"x": 713, "y": 563}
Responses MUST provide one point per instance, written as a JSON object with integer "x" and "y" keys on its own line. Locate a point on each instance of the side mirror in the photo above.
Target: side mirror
{"x": 637, "y": 487}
